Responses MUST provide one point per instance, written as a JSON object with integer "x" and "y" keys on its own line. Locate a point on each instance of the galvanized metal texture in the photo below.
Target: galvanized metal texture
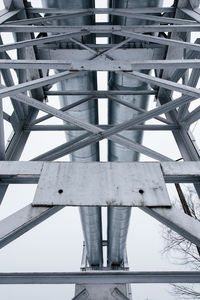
{"x": 141, "y": 38}
{"x": 98, "y": 277}
{"x": 90, "y": 217}
{"x": 102, "y": 184}
{"x": 118, "y": 218}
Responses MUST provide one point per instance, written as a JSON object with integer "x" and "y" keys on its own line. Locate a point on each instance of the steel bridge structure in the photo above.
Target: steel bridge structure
{"x": 150, "y": 52}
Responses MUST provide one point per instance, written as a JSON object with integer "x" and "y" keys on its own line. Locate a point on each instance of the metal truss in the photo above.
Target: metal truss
{"x": 164, "y": 47}
{"x": 34, "y": 172}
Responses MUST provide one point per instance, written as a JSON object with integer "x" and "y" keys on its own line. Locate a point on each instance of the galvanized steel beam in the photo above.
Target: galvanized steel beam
{"x": 149, "y": 10}
{"x": 22, "y": 221}
{"x": 102, "y": 65}
{"x": 33, "y": 84}
{"x": 103, "y": 29}
{"x": 99, "y": 277}
{"x": 115, "y": 12}
{"x": 40, "y": 41}
{"x": 173, "y": 172}
{"x": 158, "y": 40}
{"x": 103, "y": 127}
{"x": 100, "y": 94}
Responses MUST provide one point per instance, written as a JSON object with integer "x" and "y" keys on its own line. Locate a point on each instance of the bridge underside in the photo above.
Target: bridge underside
{"x": 150, "y": 56}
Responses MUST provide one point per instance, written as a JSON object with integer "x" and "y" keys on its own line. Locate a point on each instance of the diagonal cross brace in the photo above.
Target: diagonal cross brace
{"x": 22, "y": 221}
{"x": 99, "y": 134}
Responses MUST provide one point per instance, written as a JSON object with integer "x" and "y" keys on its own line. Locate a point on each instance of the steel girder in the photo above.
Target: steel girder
{"x": 168, "y": 37}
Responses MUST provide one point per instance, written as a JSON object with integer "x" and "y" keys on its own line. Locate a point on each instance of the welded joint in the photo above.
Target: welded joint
{"x": 117, "y": 294}
{"x": 83, "y": 295}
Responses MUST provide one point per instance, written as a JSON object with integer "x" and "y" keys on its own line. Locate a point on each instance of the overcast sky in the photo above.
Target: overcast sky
{"x": 56, "y": 244}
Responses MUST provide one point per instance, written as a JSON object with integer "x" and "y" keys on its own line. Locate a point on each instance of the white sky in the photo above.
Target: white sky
{"x": 56, "y": 244}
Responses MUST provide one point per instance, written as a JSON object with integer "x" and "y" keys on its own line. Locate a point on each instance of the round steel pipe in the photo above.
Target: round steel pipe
{"x": 118, "y": 218}
{"x": 88, "y": 111}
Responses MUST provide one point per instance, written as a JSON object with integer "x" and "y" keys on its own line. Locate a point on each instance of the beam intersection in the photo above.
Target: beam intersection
{"x": 161, "y": 58}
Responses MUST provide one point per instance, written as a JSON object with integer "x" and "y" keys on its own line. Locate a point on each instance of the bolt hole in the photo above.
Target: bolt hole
{"x": 60, "y": 191}
{"x": 141, "y": 191}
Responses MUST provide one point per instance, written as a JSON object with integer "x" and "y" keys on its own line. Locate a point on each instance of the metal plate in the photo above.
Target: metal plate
{"x": 101, "y": 184}
{"x": 107, "y": 291}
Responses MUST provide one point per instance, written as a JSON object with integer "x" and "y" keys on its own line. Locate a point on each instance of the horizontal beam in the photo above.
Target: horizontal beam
{"x": 21, "y": 168}
{"x": 102, "y": 47}
{"x": 149, "y": 10}
{"x": 173, "y": 172}
{"x": 23, "y": 220}
{"x": 100, "y": 277}
{"x": 104, "y": 127}
{"x": 181, "y": 171}
{"x": 101, "y": 94}
{"x": 115, "y": 12}
{"x": 103, "y": 65}
{"x": 105, "y": 29}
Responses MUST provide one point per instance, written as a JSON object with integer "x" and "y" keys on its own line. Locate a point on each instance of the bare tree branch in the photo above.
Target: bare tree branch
{"x": 186, "y": 292}
{"x": 182, "y": 251}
